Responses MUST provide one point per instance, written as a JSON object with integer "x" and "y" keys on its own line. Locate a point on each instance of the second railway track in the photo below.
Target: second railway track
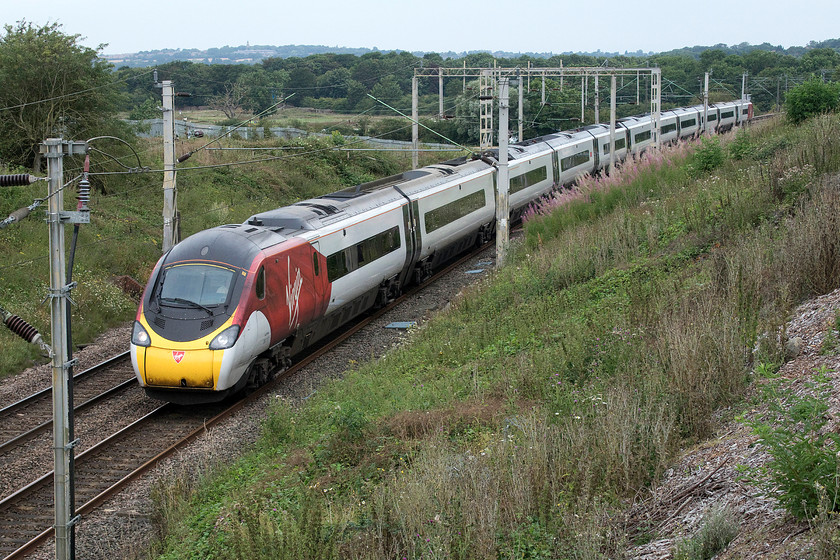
{"x": 32, "y": 415}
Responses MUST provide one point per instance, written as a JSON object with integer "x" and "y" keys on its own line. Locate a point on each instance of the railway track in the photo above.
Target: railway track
{"x": 25, "y": 419}
{"x": 26, "y": 517}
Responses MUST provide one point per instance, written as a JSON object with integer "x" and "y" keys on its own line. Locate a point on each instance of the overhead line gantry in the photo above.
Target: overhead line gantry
{"x": 488, "y": 85}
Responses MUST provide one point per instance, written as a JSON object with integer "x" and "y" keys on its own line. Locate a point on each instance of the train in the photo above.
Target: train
{"x": 227, "y": 308}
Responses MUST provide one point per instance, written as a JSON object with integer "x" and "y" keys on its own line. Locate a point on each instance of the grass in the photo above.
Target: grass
{"x": 124, "y": 235}
{"x": 719, "y": 527}
{"x": 634, "y": 309}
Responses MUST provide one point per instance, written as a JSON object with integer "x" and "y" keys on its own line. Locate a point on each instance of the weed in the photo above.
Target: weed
{"x": 803, "y": 456}
{"x": 718, "y": 527}
{"x": 831, "y": 343}
{"x": 742, "y": 146}
{"x": 707, "y": 157}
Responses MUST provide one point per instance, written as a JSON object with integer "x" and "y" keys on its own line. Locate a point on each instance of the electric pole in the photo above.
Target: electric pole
{"x": 706, "y": 103}
{"x": 597, "y": 102}
{"x": 62, "y": 380}
{"x": 415, "y": 129}
{"x": 170, "y": 191}
{"x": 612, "y": 124}
{"x": 502, "y": 200}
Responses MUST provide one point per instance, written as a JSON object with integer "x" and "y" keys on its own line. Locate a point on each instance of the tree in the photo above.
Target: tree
{"x": 811, "y": 98}
{"x": 52, "y": 87}
{"x": 230, "y": 100}
{"x": 261, "y": 89}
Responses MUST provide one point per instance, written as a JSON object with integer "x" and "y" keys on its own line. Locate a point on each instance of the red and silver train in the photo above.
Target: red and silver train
{"x": 228, "y": 307}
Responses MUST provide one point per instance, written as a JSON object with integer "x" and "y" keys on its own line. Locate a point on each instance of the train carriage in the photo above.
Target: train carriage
{"x": 639, "y": 132}
{"x": 728, "y": 115}
{"x": 575, "y": 155}
{"x": 688, "y": 122}
{"x": 532, "y": 173}
{"x": 668, "y": 127}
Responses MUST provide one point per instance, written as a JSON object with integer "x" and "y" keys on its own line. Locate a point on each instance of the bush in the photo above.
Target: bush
{"x": 811, "y": 98}
{"x": 708, "y": 156}
{"x": 742, "y": 147}
{"x": 803, "y": 466}
{"x": 719, "y": 528}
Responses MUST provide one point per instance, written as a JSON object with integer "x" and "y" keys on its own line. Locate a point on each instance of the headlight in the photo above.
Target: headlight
{"x": 139, "y": 337}
{"x": 225, "y": 339}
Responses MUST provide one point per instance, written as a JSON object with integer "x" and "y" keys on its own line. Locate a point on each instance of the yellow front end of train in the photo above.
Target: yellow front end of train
{"x": 169, "y": 364}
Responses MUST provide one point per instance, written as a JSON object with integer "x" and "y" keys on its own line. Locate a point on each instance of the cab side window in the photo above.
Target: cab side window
{"x": 260, "y": 286}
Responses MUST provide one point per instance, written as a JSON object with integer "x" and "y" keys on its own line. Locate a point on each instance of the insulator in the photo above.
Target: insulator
{"x": 19, "y": 180}
{"x": 21, "y": 328}
{"x": 83, "y": 194}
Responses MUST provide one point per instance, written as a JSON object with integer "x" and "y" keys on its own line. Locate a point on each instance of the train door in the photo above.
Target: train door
{"x": 320, "y": 282}
{"x": 413, "y": 242}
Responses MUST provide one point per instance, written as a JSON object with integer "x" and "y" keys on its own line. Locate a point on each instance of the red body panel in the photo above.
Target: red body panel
{"x": 294, "y": 293}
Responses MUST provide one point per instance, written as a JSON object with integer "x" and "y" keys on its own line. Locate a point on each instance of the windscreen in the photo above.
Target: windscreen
{"x": 204, "y": 284}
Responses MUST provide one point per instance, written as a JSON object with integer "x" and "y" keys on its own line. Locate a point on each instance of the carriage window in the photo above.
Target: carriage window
{"x": 574, "y": 160}
{"x": 712, "y": 117}
{"x": 688, "y": 123}
{"x": 669, "y": 128}
{"x": 527, "y": 179}
{"x": 315, "y": 262}
{"x": 340, "y": 263}
{"x": 260, "y": 287}
{"x": 727, "y": 115}
{"x": 619, "y": 145}
{"x": 642, "y": 136}
{"x": 337, "y": 266}
{"x": 451, "y": 211}
{"x": 378, "y": 246}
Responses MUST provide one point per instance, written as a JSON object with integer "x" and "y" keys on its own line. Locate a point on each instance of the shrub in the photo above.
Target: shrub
{"x": 708, "y": 156}
{"x": 742, "y": 146}
{"x": 719, "y": 528}
{"x": 803, "y": 456}
{"x": 811, "y": 98}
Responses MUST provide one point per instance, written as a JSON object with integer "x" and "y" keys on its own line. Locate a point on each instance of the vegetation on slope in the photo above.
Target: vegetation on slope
{"x": 630, "y": 313}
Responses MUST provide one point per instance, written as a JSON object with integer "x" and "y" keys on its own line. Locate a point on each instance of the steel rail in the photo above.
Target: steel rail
{"x": 48, "y": 391}
{"x": 21, "y": 438}
{"x": 43, "y": 395}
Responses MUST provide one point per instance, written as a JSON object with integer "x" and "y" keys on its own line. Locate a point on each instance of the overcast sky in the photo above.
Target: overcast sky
{"x": 433, "y": 25}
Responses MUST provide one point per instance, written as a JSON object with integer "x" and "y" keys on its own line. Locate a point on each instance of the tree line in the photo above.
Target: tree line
{"x": 63, "y": 88}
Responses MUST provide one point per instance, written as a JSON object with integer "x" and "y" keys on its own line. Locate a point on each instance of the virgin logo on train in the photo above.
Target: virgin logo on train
{"x": 293, "y": 294}
{"x": 177, "y": 355}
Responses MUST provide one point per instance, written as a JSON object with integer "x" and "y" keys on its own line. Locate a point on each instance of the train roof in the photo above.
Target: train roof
{"x": 315, "y": 213}
{"x": 236, "y": 244}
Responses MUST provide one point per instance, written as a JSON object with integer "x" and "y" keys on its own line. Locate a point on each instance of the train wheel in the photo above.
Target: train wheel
{"x": 258, "y": 375}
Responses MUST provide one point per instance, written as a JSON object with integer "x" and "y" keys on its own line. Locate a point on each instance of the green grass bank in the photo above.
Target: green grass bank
{"x": 635, "y": 307}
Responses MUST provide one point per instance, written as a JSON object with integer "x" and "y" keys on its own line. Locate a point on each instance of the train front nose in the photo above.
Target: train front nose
{"x": 180, "y": 368}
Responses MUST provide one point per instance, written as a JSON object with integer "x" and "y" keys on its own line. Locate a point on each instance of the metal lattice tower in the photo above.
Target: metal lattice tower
{"x": 487, "y": 90}
{"x": 655, "y": 103}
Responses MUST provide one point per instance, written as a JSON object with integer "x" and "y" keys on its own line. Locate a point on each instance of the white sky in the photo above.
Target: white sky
{"x": 433, "y": 25}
